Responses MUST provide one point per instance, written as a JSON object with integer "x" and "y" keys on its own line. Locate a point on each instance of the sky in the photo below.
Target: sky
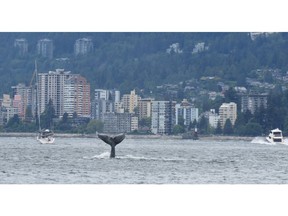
{"x": 148, "y": 15}
{"x": 143, "y": 16}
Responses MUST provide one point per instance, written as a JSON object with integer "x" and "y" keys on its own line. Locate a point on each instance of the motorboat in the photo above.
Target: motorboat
{"x": 46, "y": 136}
{"x": 275, "y": 136}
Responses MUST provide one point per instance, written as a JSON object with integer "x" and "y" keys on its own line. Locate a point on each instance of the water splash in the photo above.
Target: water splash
{"x": 104, "y": 155}
{"x": 262, "y": 140}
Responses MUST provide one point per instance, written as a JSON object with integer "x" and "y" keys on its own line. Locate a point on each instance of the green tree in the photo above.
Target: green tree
{"x": 192, "y": 125}
{"x": 13, "y": 122}
{"x": 228, "y": 127}
{"x": 218, "y": 129}
{"x": 260, "y": 117}
{"x": 65, "y": 124}
{"x": 268, "y": 77}
{"x": 231, "y": 96}
{"x": 285, "y": 129}
{"x": 181, "y": 121}
{"x": 178, "y": 129}
{"x": 48, "y": 115}
{"x": 203, "y": 125}
{"x": 253, "y": 129}
{"x": 93, "y": 126}
{"x": 145, "y": 122}
{"x": 28, "y": 114}
{"x": 65, "y": 117}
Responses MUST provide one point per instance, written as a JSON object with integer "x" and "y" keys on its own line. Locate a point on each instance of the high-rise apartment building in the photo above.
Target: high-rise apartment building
{"x": 83, "y": 46}
{"x": 45, "y": 48}
{"x": 51, "y": 86}
{"x": 22, "y": 46}
{"x": 100, "y": 107}
{"x": 104, "y": 101}
{"x": 228, "y": 111}
{"x": 187, "y": 112}
{"x": 163, "y": 119}
{"x": 76, "y": 96}
{"x": 69, "y": 93}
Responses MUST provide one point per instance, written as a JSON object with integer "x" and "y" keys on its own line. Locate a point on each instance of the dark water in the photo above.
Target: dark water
{"x": 146, "y": 161}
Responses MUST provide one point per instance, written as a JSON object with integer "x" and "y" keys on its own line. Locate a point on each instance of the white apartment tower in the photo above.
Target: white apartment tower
{"x": 228, "y": 111}
{"x": 162, "y": 117}
{"x": 214, "y": 118}
{"x": 45, "y": 48}
{"x": 83, "y": 46}
{"x": 51, "y": 86}
{"x": 188, "y": 112}
{"x": 22, "y": 46}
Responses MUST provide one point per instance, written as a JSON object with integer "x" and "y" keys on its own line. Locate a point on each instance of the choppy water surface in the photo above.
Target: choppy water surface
{"x": 142, "y": 161}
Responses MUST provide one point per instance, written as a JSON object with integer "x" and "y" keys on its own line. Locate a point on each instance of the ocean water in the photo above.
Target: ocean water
{"x": 142, "y": 161}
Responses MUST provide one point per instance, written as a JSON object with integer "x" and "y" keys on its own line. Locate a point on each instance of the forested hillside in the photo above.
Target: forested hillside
{"x": 145, "y": 60}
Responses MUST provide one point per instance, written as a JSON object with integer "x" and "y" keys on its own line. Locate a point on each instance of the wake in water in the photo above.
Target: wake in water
{"x": 106, "y": 155}
{"x": 131, "y": 157}
{"x": 262, "y": 140}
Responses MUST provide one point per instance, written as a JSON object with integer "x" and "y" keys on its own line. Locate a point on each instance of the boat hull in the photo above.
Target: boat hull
{"x": 273, "y": 141}
{"x": 46, "y": 140}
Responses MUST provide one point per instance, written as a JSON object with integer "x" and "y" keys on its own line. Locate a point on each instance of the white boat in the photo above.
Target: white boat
{"x": 275, "y": 136}
{"x": 45, "y": 136}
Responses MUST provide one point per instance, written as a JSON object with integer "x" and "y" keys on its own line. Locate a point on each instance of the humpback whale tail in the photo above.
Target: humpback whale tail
{"x": 112, "y": 141}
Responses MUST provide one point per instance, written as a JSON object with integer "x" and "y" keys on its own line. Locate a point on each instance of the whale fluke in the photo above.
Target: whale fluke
{"x": 112, "y": 141}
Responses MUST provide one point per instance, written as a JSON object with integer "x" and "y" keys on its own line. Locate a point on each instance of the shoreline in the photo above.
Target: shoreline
{"x": 67, "y": 135}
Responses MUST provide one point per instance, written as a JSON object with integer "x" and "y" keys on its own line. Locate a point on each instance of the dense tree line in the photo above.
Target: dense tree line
{"x": 139, "y": 60}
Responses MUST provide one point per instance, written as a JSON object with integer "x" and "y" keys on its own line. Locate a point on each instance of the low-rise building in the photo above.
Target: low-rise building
{"x": 214, "y": 118}
{"x": 228, "y": 111}
{"x": 117, "y": 122}
{"x": 252, "y": 102}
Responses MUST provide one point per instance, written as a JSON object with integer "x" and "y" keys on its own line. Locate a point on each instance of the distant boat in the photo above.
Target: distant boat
{"x": 45, "y": 136}
{"x": 275, "y": 136}
{"x": 191, "y": 135}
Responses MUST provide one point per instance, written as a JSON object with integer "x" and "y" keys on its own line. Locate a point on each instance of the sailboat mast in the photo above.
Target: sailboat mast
{"x": 37, "y": 96}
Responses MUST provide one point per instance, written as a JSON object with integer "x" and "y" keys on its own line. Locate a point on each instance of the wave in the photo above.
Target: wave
{"x": 262, "y": 140}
